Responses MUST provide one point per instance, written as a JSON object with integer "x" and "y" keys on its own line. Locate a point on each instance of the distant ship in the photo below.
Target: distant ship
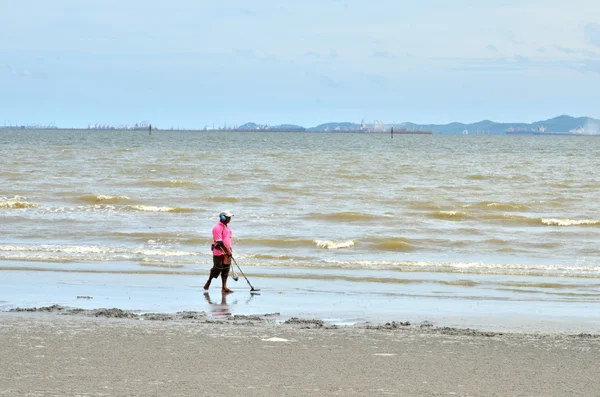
{"x": 524, "y": 131}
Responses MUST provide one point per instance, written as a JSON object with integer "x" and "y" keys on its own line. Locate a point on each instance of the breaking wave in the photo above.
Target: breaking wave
{"x": 17, "y": 204}
{"x": 570, "y": 222}
{"x": 334, "y": 244}
{"x": 103, "y": 198}
{"x": 505, "y": 206}
{"x": 63, "y": 254}
{"x": 448, "y": 215}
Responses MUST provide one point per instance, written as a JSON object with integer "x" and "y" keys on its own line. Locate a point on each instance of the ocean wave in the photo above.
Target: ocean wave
{"x": 148, "y": 235}
{"x": 570, "y": 222}
{"x": 267, "y": 256}
{"x": 93, "y": 251}
{"x": 511, "y": 250}
{"x": 467, "y": 268}
{"x": 346, "y": 216}
{"x": 283, "y": 188}
{"x": 173, "y": 183}
{"x": 535, "y": 285}
{"x": 423, "y": 205}
{"x": 461, "y": 283}
{"x": 152, "y": 208}
{"x": 275, "y": 242}
{"x": 505, "y": 206}
{"x": 495, "y": 241}
{"x": 448, "y": 215}
{"x": 163, "y": 237}
{"x": 103, "y": 198}
{"x": 476, "y": 177}
{"x": 161, "y": 265}
{"x": 334, "y": 244}
{"x": 80, "y": 208}
{"x": 221, "y": 199}
{"x": 191, "y": 261}
{"x": 549, "y": 203}
{"x": 394, "y": 244}
{"x": 510, "y": 218}
{"x": 17, "y": 204}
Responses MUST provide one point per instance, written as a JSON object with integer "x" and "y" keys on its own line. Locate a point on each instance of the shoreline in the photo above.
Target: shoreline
{"x": 448, "y": 302}
{"x": 273, "y": 320}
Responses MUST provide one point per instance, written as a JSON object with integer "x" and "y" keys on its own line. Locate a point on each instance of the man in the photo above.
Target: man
{"x": 221, "y": 249}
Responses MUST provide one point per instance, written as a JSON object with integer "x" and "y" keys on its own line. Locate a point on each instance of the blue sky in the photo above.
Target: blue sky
{"x": 190, "y": 63}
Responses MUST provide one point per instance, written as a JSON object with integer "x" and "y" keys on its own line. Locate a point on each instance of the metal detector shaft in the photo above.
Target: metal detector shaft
{"x": 240, "y": 269}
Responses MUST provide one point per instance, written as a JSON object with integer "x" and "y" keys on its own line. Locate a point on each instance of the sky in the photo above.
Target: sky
{"x": 196, "y": 63}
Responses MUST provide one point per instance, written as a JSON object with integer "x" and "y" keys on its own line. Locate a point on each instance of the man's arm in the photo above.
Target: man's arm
{"x": 220, "y": 245}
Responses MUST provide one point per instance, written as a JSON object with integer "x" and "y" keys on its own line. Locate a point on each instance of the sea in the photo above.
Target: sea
{"x": 488, "y": 230}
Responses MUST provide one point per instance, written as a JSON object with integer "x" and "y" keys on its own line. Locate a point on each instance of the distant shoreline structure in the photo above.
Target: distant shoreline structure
{"x": 561, "y": 125}
{"x": 116, "y": 129}
{"x": 358, "y": 131}
{"x": 580, "y": 131}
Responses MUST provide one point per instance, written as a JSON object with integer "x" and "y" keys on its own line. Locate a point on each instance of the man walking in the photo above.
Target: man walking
{"x": 221, "y": 249}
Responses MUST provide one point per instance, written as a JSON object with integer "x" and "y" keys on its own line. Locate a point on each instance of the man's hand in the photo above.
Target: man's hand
{"x": 221, "y": 246}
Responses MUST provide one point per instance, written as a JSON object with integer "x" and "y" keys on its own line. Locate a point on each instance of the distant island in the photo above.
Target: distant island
{"x": 561, "y": 125}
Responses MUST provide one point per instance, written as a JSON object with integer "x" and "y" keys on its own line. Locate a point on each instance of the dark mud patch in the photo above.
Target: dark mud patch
{"x": 157, "y": 317}
{"x": 271, "y": 314}
{"x": 305, "y": 323}
{"x": 464, "y": 332}
{"x": 113, "y": 313}
{"x": 45, "y": 309}
{"x": 391, "y": 325}
{"x": 191, "y": 316}
{"x": 247, "y": 318}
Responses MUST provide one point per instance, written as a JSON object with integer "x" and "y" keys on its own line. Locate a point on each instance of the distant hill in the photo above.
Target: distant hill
{"x": 266, "y": 127}
{"x": 343, "y": 126}
{"x": 557, "y": 124}
{"x": 288, "y": 127}
{"x": 249, "y": 127}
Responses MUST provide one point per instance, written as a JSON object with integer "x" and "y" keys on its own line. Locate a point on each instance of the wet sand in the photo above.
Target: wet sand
{"x": 119, "y": 353}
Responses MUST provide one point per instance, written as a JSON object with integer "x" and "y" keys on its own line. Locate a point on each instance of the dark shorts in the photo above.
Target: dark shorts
{"x": 219, "y": 267}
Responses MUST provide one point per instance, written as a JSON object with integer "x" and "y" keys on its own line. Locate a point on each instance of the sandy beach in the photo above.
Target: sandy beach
{"x": 120, "y": 353}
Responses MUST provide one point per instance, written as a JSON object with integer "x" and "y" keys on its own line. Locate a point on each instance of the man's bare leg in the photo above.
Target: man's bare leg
{"x": 207, "y": 285}
{"x": 225, "y": 289}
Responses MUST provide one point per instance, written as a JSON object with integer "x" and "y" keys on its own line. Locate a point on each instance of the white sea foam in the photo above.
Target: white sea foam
{"x": 570, "y": 222}
{"x": 334, "y": 244}
{"x": 470, "y": 267}
{"x": 94, "y": 250}
{"x": 152, "y": 208}
{"x": 103, "y": 197}
{"x": 148, "y": 208}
